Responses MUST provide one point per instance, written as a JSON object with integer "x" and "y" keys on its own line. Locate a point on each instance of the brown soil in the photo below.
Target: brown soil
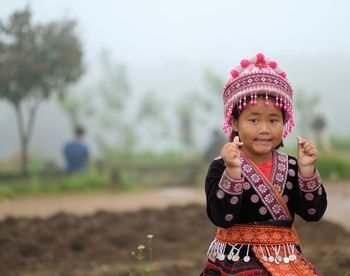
{"x": 100, "y": 244}
{"x": 63, "y": 235}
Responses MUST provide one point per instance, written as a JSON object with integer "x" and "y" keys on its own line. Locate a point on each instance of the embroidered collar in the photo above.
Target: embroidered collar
{"x": 263, "y": 189}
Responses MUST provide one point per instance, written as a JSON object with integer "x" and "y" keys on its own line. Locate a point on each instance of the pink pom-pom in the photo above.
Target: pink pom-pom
{"x": 245, "y": 63}
{"x": 273, "y": 64}
{"x": 283, "y": 74}
{"x": 260, "y": 57}
{"x": 234, "y": 73}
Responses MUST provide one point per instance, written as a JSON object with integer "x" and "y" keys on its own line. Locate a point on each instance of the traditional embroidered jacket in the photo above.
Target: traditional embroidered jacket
{"x": 251, "y": 200}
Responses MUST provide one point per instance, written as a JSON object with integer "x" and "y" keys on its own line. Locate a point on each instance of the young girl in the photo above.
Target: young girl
{"x": 253, "y": 191}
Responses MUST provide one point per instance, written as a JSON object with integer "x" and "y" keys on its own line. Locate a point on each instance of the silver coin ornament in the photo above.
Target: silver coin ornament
{"x": 235, "y": 258}
{"x": 292, "y": 257}
{"x": 221, "y": 257}
{"x": 286, "y": 260}
{"x": 265, "y": 258}
{"x": 229, "y": 257}
{"x": 271, "y": 259}
{"x": 279, "y": 258}
{"x": 246, "y": 259}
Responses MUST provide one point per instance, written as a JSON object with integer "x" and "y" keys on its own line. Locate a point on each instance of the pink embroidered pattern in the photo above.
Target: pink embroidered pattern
{"x": 311, "y": 211}
{"x": 309, "y": 196}
{"x": 279, "y": 171}
{"x": 263, "y": 189}
{"x": 246, "y": 186}
{"x": 263, "y": 210}
{"x": 258, "y": 76}
{"x": 230, "y": 185}
{"x": 254, "y": 198}
{"x": 220, "y": 194}
{"x": 289, "y": 185}
{"x": 234, "y": 200}
{"x": 291, "y": 172}
{"x": 310, "y": 184}
{"x": 229, "y": 217}
{"x": 292, "y": 162}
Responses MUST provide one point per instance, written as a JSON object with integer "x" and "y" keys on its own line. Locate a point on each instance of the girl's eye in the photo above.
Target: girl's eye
{"x": 253, "y": 120}
{"x": 273, "y": 120}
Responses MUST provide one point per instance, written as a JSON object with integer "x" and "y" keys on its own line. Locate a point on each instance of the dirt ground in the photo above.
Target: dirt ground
{"x": 82, "y": 241}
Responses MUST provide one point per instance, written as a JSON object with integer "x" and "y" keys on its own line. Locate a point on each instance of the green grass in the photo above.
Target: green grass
{"x": 149, "y": 159}
{"x": 139, "y": 172}
{"x": 333, "y": 166}
{"x": 340, "y": 143}
{"x": 93, "y": 180}
{"x": 83, "y": 182}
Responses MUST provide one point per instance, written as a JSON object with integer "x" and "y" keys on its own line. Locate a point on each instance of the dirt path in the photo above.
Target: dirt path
{"x": 83, "y": 204}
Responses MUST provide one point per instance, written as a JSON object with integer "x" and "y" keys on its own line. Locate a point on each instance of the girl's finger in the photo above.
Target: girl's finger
{"x": 308, "y": 147}
{"x": 236, "y": 141}
{"x": 313, "y": 152}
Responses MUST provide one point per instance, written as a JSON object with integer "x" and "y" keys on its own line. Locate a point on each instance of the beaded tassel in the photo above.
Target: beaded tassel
{"x": 266, "y": 99}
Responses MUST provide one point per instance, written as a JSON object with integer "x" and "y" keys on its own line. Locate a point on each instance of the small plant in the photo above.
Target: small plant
{"x": 144, "y": 259}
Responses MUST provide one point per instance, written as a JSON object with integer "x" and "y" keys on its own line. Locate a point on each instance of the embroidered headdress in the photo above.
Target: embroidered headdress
{"x": 258, "y": 76}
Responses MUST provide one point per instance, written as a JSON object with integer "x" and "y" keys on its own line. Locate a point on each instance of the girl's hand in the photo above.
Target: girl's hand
{"x": 307, "y": 157}
{"x": 231, "y": 155}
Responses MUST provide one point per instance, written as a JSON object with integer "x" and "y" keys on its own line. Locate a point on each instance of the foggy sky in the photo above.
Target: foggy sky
{"x": 168, "y": 43}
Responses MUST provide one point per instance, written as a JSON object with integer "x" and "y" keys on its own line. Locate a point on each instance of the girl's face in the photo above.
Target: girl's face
{"x": 260, "y": 129}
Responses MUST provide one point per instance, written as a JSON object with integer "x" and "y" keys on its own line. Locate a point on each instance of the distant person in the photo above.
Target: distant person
{"x": 253, "y": 190}
{"x": 76, "y": 153}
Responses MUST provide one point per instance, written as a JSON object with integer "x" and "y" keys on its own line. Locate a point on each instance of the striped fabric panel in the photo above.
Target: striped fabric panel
{"x": 239, "y": 268}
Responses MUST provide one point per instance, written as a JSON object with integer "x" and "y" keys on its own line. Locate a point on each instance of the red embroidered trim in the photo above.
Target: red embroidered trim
{"x": 231, "y": 185}
{"x": 298, "y": 267}
{"x": 257, "y": 235}
{"x": 309, "y": 184}
{"x": 263, "y": 189}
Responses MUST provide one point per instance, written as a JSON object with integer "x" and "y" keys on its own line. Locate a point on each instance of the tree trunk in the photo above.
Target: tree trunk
{"x": 25, "y": 134}
{"x": 22, "y": 140}
{"x": 24, "y": 156}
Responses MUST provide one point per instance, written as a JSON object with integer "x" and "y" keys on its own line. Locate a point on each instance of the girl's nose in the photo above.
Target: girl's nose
{"x": 264, "y": 128}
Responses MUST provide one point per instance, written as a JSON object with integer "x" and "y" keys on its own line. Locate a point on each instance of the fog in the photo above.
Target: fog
{"x": 166, "y": 46}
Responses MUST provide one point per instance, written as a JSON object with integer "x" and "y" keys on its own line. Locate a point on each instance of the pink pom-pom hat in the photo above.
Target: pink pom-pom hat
{"x": 258, "y": 76}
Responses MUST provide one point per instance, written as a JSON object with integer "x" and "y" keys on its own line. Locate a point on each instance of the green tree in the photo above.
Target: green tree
{"x": 151, "y": 118}
{"x": 116, "y": 118}
{"x": 36, "y": 61}
{"x": 305, "y": 106}
{"x": 77, "y": 107}
{"x": 199, "y": 110}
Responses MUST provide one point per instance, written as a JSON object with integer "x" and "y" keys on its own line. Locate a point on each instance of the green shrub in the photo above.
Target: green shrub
{"x": 333, "y": 167}
{"x": 82, "y": 182}
{"x": 340, "y": 143}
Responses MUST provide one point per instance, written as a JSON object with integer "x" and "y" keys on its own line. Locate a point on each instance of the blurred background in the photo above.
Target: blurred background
{"x": 142, "y": 81}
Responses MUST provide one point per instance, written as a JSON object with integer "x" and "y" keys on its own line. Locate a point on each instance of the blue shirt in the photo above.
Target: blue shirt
{"x": 76, "y": 154}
